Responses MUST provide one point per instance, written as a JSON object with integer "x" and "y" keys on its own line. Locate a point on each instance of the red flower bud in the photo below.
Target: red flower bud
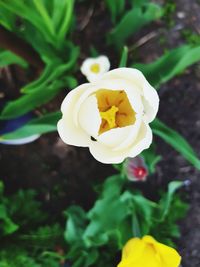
{"x": 135, "y": 169}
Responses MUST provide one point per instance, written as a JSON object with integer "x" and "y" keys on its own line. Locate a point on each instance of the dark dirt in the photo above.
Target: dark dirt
{"x": 64, "y": 175}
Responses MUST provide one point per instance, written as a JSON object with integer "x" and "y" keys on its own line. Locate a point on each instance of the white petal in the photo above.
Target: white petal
{"x": 89, "y": 116}
{"x": 114, "y": 137}
{"x": 134, "y": 99}
{"x": 143, "y": 140}
{"x": 133, "y": 133}
{"x": 73, "y": 96}
{"x": 85, "y": 67}
{"x": 150, "y": 102}
{"x": 104, "y": 63}
{"x": 105, "y": 154}
{"x": 82, "y": 97}
{"x": 93, "y": 77}
{"x": 136, "y": 78}
{"x": 131, "y": 91}
{"x": 104, "y": 66}
{"x": 71, "y": 134}
{"x": 69, "y": 131}
{"x": 120, "y": 138}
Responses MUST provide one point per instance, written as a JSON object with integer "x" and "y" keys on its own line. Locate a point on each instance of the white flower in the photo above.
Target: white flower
{"x": 110, "y": 116}
{"x": 93, "y": 68}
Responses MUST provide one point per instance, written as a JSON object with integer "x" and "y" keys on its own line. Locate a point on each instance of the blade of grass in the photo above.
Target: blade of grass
{"x": 124, "y": 57}
{"x": 174, "y": 139}
{"x": 64, "y": 28}
{"x": 8, "y": 58}
{"x": 45, "y": 16}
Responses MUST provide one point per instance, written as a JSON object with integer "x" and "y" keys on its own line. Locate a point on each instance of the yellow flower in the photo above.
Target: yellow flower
{"x": 147, "y": 252}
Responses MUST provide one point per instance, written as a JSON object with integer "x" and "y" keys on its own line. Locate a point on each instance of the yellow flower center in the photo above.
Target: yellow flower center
{"x": 115, "y": 109}
{"x": 109, "y": 116}
{"x": 95, "y": 68}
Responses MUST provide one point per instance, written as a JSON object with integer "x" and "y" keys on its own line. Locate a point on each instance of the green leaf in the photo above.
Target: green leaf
{"x": 136, "y": 226}
{"x": 7, "y": 19}
{"x": 7, "y": 226}
{"x": 53, "y": 71}
{"x": 28, "y": 12}
{"x": 165, "y": 202}
{"x": 76, "y": 222}
{"x": 169, "y": 65}
{"x": 115, "y": 209}
{"x": 116, "y": 217}
{"x": 106, "y": 215}
{"x": 8, "y": 58}
{"x": 176, "y": 141}
{"x": 170, "y": 209}
{"x": 58, "y": 10}
{"x": 45, "y": 16}
{"x": 107, "y": 212}
{"x": 93, "y": 51}
{"x": 29, "y": 102}
{"x": 44, "y": 236}
{"x": 141, "y": 210}
{"x": 1, "y": 188}
{"x": 113, "y": 185}
{"x": 52, "y": 81}
{"x": 45, "y": 49}
{"x": 132, "y": 22}
{"x": 90, "y": 257}
{"x": 45, "y": 124}
{"x": 19, "y": 206}
{"x": 139, "y": 3}
{"x": 124, "y": 57}
{"x": 66, "y": 21}
{"x": 84, "y": 258}
{"x": 44, "y": 78}
{"x": 151, "y": 158}
{"x": 116, "y": 8}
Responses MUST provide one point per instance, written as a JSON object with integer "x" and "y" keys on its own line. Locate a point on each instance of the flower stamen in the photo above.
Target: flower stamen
{"x": 95, "y": 68}
{"x": 110, "y": 116}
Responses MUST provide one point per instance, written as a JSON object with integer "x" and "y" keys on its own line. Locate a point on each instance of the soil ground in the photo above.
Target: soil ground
{"x": 60, "y": 172}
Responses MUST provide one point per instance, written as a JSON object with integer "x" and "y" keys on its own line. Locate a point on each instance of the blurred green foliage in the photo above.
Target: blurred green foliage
{"x": 172, "y": 63}
{"x": 25, "y": 240}
{"x": 116, "y": 8}
{"x": 93, "y": 237}
{"x": 8, "y": 58}
{"x": 168, "y": 13}
{"x": 174, "y": 139}
{"x": 191, "y": 37}
{"x": 151, "y": 158}
{"x": 118, "y": 215}
{"x": 19, "y": 257}
{"x": 141, "y": 13}
{"x": 46, "y": 26}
